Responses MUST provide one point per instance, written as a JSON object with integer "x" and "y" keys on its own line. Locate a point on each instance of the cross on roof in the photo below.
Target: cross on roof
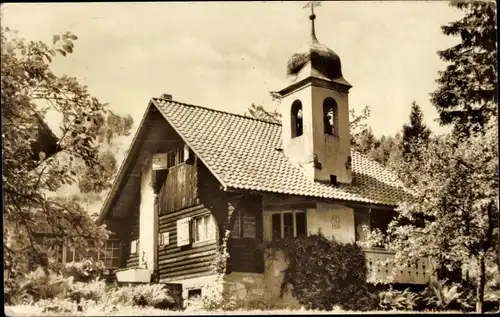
{"x": 312, "y": 4}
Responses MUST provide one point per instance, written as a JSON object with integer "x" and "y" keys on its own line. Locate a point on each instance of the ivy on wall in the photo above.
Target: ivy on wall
{"x": 324, "y": 272}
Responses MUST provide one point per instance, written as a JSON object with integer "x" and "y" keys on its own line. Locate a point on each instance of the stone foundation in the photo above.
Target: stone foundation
{"x": 208, "y": 285}
{"x": 263, "y": 288}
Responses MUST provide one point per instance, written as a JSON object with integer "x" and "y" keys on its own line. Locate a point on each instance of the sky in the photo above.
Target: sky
{"x": 227, "y": 55}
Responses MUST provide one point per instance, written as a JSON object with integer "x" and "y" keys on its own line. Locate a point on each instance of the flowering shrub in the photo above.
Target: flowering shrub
{"x": 84, "y": 271}
{"x": 95, "y": 290}
{"x": 324, "y": 272}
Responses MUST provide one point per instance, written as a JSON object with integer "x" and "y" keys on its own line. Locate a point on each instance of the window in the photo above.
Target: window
{"x": 54, "y": 250}
{"x": 297, "y": 119}
{"x": 194, "y": 293}
{"x": 361, "y": 218}
{"x": 380, "y": 219}
{"x": 330, "y": 116}
{"x": 288, "y": 224}
{"x": 109, "y": 254}
{"x": 244, "y": 225}
{"x": 203, "y": 228}
{"x": 163, "y": 239}
{"x": 175, "y": 157}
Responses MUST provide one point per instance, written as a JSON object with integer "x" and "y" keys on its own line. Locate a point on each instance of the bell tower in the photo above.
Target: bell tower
{"x": 315, "y": 113}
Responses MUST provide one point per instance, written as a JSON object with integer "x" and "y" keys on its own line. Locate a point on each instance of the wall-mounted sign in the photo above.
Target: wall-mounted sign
{"x": 160, "y": 161}
{"x": 335, "y": 222}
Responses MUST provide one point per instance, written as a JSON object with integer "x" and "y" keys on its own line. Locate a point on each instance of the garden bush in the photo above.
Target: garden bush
{"x": 399, "y": 300}
{"x": 57, "y": 305}
{"x": 54, "y": 292}
{"x": 440, "y": 295}
{"x": 233, "y": 304}
{"x": 325, "y": 273}
{"x": 84, "y": 271}
{"x": 95, "y": 290}
{"x": 42, "y": 284}
{"x": 152, "y": 295}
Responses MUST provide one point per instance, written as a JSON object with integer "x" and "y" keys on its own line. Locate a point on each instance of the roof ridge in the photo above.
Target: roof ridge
{"x": 216, "y": 110}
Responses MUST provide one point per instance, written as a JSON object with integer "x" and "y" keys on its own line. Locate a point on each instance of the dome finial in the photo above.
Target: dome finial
{"x": 312, "y": 17}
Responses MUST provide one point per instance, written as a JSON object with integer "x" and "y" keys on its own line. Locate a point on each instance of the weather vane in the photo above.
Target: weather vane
{"x": 312, "y": 4}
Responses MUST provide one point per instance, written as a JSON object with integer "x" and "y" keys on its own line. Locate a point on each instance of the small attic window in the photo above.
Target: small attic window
{"x": 333, "y": 179}
{"x": 330, "y": 116}
{"x": 176, "y": 157}
{"x": 296, "y": 118}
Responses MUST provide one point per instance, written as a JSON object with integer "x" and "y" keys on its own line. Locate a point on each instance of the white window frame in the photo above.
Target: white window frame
{"x": 102, "y": 253}
{"x": 209, "y": 228}
{"x": 282, "y": 218}
{"x": 163, "y": 239}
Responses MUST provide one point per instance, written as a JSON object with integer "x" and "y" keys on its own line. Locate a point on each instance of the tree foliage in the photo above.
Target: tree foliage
{"x": 385, "y": 149}
{"x": 414, "y": 132}
{"x": 453, "y": 216}
{"x": 357, "y": 124}
{"x": 259, "y": 112}
{"x": 37, "y": 165}
{"x": 467, "y": 94}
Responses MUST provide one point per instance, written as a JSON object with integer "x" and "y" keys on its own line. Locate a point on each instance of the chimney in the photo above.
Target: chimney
{"x": 166, "y": 97}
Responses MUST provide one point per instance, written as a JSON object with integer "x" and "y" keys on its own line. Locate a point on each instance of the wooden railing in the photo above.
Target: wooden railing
{"x": 380, "y": 266}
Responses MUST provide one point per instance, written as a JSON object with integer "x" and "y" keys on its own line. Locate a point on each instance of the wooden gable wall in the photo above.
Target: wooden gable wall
{"x": 196, "y": 259}
{"x": 122, "y": 220}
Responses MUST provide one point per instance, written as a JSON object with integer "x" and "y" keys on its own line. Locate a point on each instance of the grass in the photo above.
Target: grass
{"x": 27, "y": 310}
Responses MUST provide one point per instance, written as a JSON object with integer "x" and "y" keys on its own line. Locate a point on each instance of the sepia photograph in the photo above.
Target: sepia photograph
{"x": 250, "y": 157}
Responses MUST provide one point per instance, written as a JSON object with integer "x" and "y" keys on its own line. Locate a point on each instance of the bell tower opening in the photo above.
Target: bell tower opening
{"x": 330, "y": 117}
{"x": 297, "y": 122}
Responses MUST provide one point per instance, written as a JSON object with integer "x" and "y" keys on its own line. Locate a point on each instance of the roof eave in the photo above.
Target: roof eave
{"x": 339, "y": 84}
{"x": 124, "y": 167}
{"x": 347, "y": 202}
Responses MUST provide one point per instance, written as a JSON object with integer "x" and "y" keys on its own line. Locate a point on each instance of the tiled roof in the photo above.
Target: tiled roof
{"x": 243, "y": 153}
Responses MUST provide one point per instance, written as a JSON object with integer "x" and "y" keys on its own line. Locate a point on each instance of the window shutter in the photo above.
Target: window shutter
{"x": 134, "y": 246}
{"x": 183, "y": 232}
